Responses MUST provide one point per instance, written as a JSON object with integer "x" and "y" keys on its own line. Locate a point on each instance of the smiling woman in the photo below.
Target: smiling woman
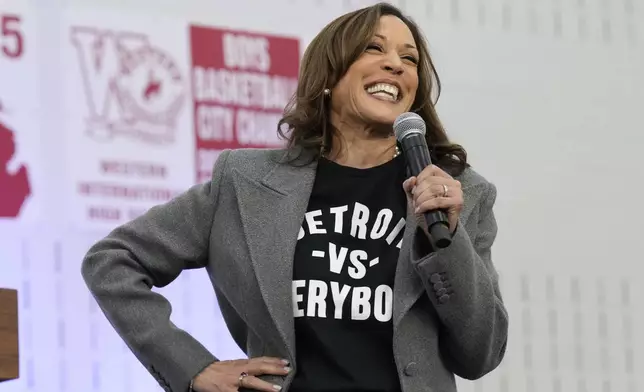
{"x": 319, "y": 255}
{"x": 378, "y": 50}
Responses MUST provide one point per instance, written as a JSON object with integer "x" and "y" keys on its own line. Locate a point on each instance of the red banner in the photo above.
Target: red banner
{"x": 240, "y": 84}
{"x": 15, "y": 187}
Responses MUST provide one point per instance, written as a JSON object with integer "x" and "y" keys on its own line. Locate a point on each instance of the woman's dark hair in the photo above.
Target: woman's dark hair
{"x": 327, "y": 59}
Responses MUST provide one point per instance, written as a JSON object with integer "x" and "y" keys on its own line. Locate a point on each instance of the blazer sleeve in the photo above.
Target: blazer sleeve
{"x": 151, "y": 251}
{"x": 462, "y": 283}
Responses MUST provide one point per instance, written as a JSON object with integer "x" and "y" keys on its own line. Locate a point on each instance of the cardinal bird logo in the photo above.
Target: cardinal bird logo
{"x": 133, "y": 89}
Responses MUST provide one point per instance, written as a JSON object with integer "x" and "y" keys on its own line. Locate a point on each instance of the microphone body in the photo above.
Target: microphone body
{"x": 410, "y": 133}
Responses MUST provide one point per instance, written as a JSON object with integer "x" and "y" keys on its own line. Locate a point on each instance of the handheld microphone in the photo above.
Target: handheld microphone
{"x": 410, "y": 132}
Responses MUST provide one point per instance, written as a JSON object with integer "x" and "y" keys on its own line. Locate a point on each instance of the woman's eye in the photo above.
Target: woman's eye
{"x": 411, "y": 58}
{"x": 374, "y": 47}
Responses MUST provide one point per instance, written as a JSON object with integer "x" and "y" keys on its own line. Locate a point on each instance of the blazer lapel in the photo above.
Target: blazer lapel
{"x": 272, "y": 210}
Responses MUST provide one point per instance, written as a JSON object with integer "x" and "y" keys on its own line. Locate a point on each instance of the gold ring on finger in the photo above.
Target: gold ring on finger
{"x": 445, "y": 190}
{"x": 241, "y": 378}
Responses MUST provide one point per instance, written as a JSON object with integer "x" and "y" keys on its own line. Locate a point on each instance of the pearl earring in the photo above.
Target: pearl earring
{"x": 327, "y": 92}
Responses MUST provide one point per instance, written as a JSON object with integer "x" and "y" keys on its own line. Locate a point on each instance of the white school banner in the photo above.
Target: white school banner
{"x": 127, "y": 115}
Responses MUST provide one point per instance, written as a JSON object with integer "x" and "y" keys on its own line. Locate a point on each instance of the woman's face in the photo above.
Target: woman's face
{"x": 381, "y": 84}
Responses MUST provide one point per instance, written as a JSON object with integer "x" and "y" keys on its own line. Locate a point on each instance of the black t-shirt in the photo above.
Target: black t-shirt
{"x": 344, "y": 268}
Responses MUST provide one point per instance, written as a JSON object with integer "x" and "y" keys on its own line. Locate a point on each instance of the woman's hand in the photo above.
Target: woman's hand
{"x": 229, "y": 376}
{"x": 434, "y": 189}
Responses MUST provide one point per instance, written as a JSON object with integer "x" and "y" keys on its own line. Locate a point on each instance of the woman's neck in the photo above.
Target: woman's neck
{"x": 361, "y": 148}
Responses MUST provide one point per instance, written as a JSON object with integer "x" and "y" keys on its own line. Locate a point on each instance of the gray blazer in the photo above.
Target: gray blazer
{"x": 242, "y": 226}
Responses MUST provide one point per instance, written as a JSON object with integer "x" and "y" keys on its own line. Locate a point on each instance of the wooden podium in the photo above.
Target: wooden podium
{"x": 8, "y": 335}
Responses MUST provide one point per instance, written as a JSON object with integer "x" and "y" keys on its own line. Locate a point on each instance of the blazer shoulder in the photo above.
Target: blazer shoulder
{"x": 476, "y": 188}
{"x": 471, "y": 178}
{"x": 254, "y": 162}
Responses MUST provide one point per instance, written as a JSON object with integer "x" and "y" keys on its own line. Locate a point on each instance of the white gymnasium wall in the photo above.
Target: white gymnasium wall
{"x": 546, "y": 97}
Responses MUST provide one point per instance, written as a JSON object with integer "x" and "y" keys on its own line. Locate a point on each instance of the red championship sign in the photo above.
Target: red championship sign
{"x": 240, "y": 84}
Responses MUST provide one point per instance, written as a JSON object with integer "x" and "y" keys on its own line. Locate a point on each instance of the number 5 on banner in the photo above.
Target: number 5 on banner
{"x": 11, "y": 39}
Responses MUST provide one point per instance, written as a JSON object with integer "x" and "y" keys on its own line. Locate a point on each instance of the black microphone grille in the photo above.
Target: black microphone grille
{"x": 408, "y": 123}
